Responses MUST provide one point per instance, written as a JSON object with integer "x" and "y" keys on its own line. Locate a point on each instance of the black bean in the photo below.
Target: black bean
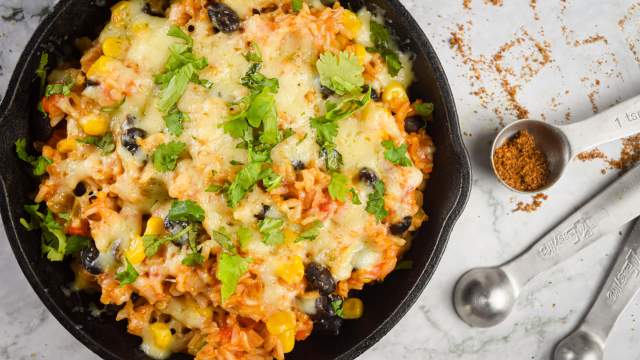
{"x": 319, "y": 278}
{"x": 413, "y": 124}
{"x": 328, "y": 326}
{"x": 134, "y": 297}
{"x": 223, "y": 17}
{"x": 89, "y": 259}
{"x": 130, "y": 137}
{"x": 174, "y": 227}
{"x": 327, "y": 2}
{"x": 325, "y": 91}
{"x": 90, "y": 82}
{"x": 401, "y": 227}
{"x": 367, "y": 175}
{"x": 297, "y": 165}
{"x": 323, "y": 308}
{"x": 80, "y": 189}
{"x": 375, "y": 96}
{"x": 263, "y": 212}
{"x": 156, "y": 7}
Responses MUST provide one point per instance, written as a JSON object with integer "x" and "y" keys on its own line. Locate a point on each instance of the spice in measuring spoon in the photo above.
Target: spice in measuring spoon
{"x": 521, "y": 164}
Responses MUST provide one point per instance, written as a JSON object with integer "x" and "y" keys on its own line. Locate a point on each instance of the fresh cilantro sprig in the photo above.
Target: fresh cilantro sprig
{"x": 230, "y": 269}
{"x": 296, "y": 5}
{"x": 165, "y": 157}
{"x": 39, "y": 163}
{"x": 311, "y": 232}
{"x": 423, "y": 109}
{"x": 338, "y": 187}
{"x": 128, "y": 275}
{"x": 185, "y": 210}
{"x": 271, "y": 230}
{"x": 375, "y": 201}
{"x": 105, "y": 143}
{"x": 396, "y": 155}
{"x": 41, "y": 71}
{"x": 54, "y": 242}
{"x": 381, "y": 38}
{"x": 63, "y": 88}
{"x": 173, "y": 121}
{"x": 341, "y": 73}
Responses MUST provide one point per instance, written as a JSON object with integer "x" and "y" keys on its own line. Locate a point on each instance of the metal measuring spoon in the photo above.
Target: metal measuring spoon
{"x": 561, "y": 143}
{"x": 588, "y": 340}
{"x": 483, "y": 297}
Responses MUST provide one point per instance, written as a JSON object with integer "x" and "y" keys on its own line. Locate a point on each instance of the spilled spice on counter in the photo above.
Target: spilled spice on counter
{"x": 521, "y": 164}
{"x": 536, "y": 202}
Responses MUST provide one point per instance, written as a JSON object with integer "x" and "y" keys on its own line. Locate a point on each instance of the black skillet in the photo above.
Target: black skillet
{"x": 385, "y": 303}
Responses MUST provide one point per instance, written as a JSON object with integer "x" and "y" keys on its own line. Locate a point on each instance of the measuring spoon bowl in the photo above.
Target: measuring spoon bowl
{"x": 561, "y": 143}
{"x": 579, "y": 345}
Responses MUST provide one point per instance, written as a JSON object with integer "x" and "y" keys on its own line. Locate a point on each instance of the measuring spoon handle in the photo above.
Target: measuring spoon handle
{"x": 619, "y": 121}
{"x": 618, "y": 204}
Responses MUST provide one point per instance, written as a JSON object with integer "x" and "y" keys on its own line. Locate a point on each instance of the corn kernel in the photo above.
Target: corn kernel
{"x": 139, "y": 27}
{"x": 291, "y": 271}
{"x": 281, "y": 322}
{"x": 288, "y": 340}
{"x": 394, "y": 95}
{"x": 352, "y": 308}
{"x": 66, "y": 145}
{"x": 290, "y": 236}
{"x": 161, "y": 333}
{"x": 120, "y": 11}
{"x": 154, "y": 226}
{"x": 95, "y": 125}
{"x": 352, "y": 24}
{"x": 361, "y": 53}
{"x": 205, "y": 312}
{"x": 135, "y": 251}
{"x": 101, "y": 66}
{"x": 114, "y": 47}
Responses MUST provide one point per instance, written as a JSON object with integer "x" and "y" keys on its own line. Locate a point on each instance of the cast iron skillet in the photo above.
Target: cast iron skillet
{"x": 385, "y": 303}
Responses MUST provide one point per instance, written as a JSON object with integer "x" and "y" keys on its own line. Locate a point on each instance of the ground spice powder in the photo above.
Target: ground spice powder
{"x": 521, "y": 164}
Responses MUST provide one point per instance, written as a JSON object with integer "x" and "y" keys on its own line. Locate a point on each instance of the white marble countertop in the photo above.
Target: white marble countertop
{"x": 589, "y": 64}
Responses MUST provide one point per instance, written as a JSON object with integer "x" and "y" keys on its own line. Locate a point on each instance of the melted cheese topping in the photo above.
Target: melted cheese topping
{"x": 124, "y": 187}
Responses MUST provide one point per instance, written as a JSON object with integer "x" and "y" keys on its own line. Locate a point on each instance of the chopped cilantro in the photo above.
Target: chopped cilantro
{"x": 173, "y": 120}
{"x": 176, "y": 32}
{"x": 63, "y": 88}
{"x": 375, "y": 201}
{"x": 194, "y": 258}
{"x": 186, "y": 210}
{"x": 296, "y": 5}
{"x": 338, "y": 188}
{"x": 39, "y": 163}
{"x": 311, "y": 232}
{"x": 229, "y": 271}
{"x": 271, "y": 230}
{"x": 41, "y": 71}
{"x": 127, "y": 276}
{"x": 270, "y": 179}
{"x": 152, "y": 243}
{"x": 224, "y": 240}
{"x": 383, "y": 45}
{"x": 397, "y": 155}
{"x": 104, "y": 143}
{"x": 423, "y": 109}
{"x": 165, "y": 157}
{"x": 254, "y": 55}
{"x": 244, "y": 181}
{"x": 355, "y": 199}
{"x": 54, "y": 242}
{"x": 75, "y": 243}
{"x": 341, "y": 73}
{"x": 336, "y": 305}
{"x": 216, "y": 188}
{"x": 244, "y": 236}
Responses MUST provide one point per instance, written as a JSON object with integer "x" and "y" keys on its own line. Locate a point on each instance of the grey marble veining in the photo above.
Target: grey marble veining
{"x": 489, "y": 232}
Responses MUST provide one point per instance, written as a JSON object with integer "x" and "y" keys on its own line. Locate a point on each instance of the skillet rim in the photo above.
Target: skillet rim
{"x": 463, "y": 188}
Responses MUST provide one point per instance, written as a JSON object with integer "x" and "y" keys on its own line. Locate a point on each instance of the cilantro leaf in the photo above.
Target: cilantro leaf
{"x": 39, "y": 163}
{"x": 104, "y": 143}
{"x": 271, "y": 230}
{"x": 404, "y": 265}
{"x": 41, "y": 71}
{"x": 254, "y": 55}
{"x": 336, "y": 305}
{"x": 53, "y": 238}
{"x": 355, "y": 199}
{"x": 244, "y": 181}
{"x": 341, "y": 73}
{"x": 175, "y": 31}
{"x": 224, "y": 240}
{"x": 423, "y": 109}
{"x": 245, "y": 236}
{"x": 63, "y": 88}
{"x": 396, "y": 155}
{"x": 338, "y": 189}
{"x": 216, "y": 188}
{"x": 381, "y": 38}
{"x": 175, "y": 88}
{"x": 185, "y": 210}
{"x": 229, "y": 271}
{"x": 311, "y": 232}
{"x": 152, "y": 244}
{"x": 270, "y": 179}
{"x": 76, "y": 243}
{"x": 165, "y": 157}
{"x": 193, "y": 259}
{"x": 173, "y": 120}
{"x": 375, "y": 201}
{"x": 296, "y": 5}
{"x": 128, "y": 275}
